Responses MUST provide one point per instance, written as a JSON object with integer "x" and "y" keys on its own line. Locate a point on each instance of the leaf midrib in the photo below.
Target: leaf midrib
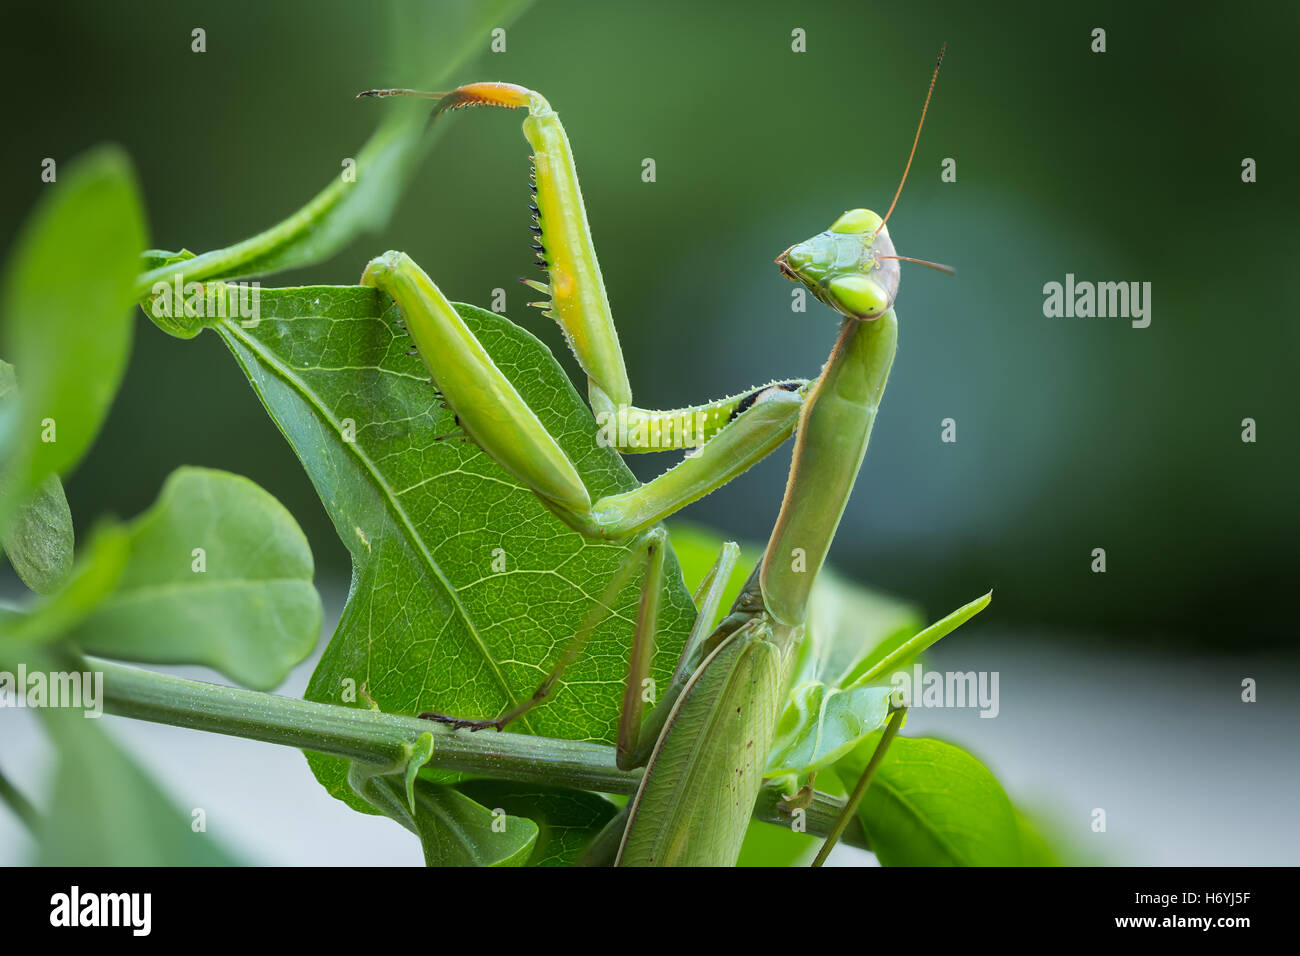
{"x": 226, "y": 327}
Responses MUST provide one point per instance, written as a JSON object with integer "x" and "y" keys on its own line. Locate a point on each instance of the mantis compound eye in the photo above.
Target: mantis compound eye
{"x": 858, "y": 296}
{"x": 856, "y": 222}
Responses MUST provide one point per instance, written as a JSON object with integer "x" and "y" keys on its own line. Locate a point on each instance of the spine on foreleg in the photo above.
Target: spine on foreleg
{"x": 697, "y": 796}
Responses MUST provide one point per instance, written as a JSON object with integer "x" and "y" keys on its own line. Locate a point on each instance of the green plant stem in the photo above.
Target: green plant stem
{"x": 820, "y": 816}
{"x": 374, "y": 737}
{"x": 850, "y": 809}
{"x": 356, "y": 733}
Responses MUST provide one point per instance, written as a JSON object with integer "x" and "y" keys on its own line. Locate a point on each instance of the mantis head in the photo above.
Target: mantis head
{"x": 851, "y": 267}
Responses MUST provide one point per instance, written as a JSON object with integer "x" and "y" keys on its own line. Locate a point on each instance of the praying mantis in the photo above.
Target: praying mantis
{"x": 704, "y": 742}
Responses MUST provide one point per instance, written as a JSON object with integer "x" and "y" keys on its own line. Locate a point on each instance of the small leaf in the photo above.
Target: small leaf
{"x": 933, "y": 804}
{"x": 65, "y": 309}
{"x": 453, "y": 829}
{"x": 93, "y": 579}
{"x": 821, "y": 724}
{"x": 567, "y": 820}
{"x": 38, "y": 541}
{"x": 826, "y": 712}
{"x": 848, "y": 623}
{"x": 169, "y": 313}
{"x": 888, "y": 657}
{"x": 107, "y": 812}
{"x": 220, "y": 575}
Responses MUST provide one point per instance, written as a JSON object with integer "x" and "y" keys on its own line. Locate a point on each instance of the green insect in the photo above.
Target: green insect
{"x": 704, "y": 743}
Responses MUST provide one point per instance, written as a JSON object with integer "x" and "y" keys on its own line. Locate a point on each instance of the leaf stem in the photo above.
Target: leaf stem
{"x": 850, "y": 809}
{"x": 356, "y": 733}
{"x": 374, "y": 737}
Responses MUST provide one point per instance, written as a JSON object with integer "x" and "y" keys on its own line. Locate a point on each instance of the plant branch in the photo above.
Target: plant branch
{"x": 371, "y": 736}
{"x": 356, "y": 733}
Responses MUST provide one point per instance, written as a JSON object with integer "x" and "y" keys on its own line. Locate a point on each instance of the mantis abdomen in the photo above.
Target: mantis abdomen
{"x": 699, "y": 788}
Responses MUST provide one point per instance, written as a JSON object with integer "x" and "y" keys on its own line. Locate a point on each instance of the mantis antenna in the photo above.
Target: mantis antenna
{"x": 924, "y": 262}
{"x": 916, "y": 139}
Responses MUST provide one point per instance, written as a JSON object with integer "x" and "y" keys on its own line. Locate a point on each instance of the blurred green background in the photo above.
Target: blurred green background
{"x": 1073, "y": 434}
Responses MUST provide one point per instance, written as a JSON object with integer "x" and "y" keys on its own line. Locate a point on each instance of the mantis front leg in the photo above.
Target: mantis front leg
{"x": 494, "y": 415}
{"x": 575, "y": 290}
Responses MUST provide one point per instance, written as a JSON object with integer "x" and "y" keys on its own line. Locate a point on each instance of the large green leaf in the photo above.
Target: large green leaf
{"x": 65, "y": 318}
{"x": 219, "y": 574}
{"x": 933, "y": 804}
{"x": 432, "y": 621}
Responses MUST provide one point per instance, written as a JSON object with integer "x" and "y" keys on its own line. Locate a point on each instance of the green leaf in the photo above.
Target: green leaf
{"x": 1035, "y": 850}
{"x": 567, "y": 820}
{"x": 170, "y": 314}
{"x": 107, "y": 812}
{"x": 431, "y": 622}
{"x": 847, "y": 624}
{"x": 92, "y": 580}
{"x": 891, "y": 655}
{"x": 65, "y": 309}
{"x": 220, "y": 575}
{"x": 821, "y": 724}
{"x": 440, "y": 38}
{"x": 454, "y": 830}
{"x": 933, "y": 804}
{"x": 769, "y": 845}
{"x": 38, "y": 541}
{"x": 828, "y": 713}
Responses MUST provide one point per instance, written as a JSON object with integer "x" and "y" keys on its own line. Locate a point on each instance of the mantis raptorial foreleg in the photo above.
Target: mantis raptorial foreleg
{"x": 493, "y": 414}
{"x": 575, "y": 290}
